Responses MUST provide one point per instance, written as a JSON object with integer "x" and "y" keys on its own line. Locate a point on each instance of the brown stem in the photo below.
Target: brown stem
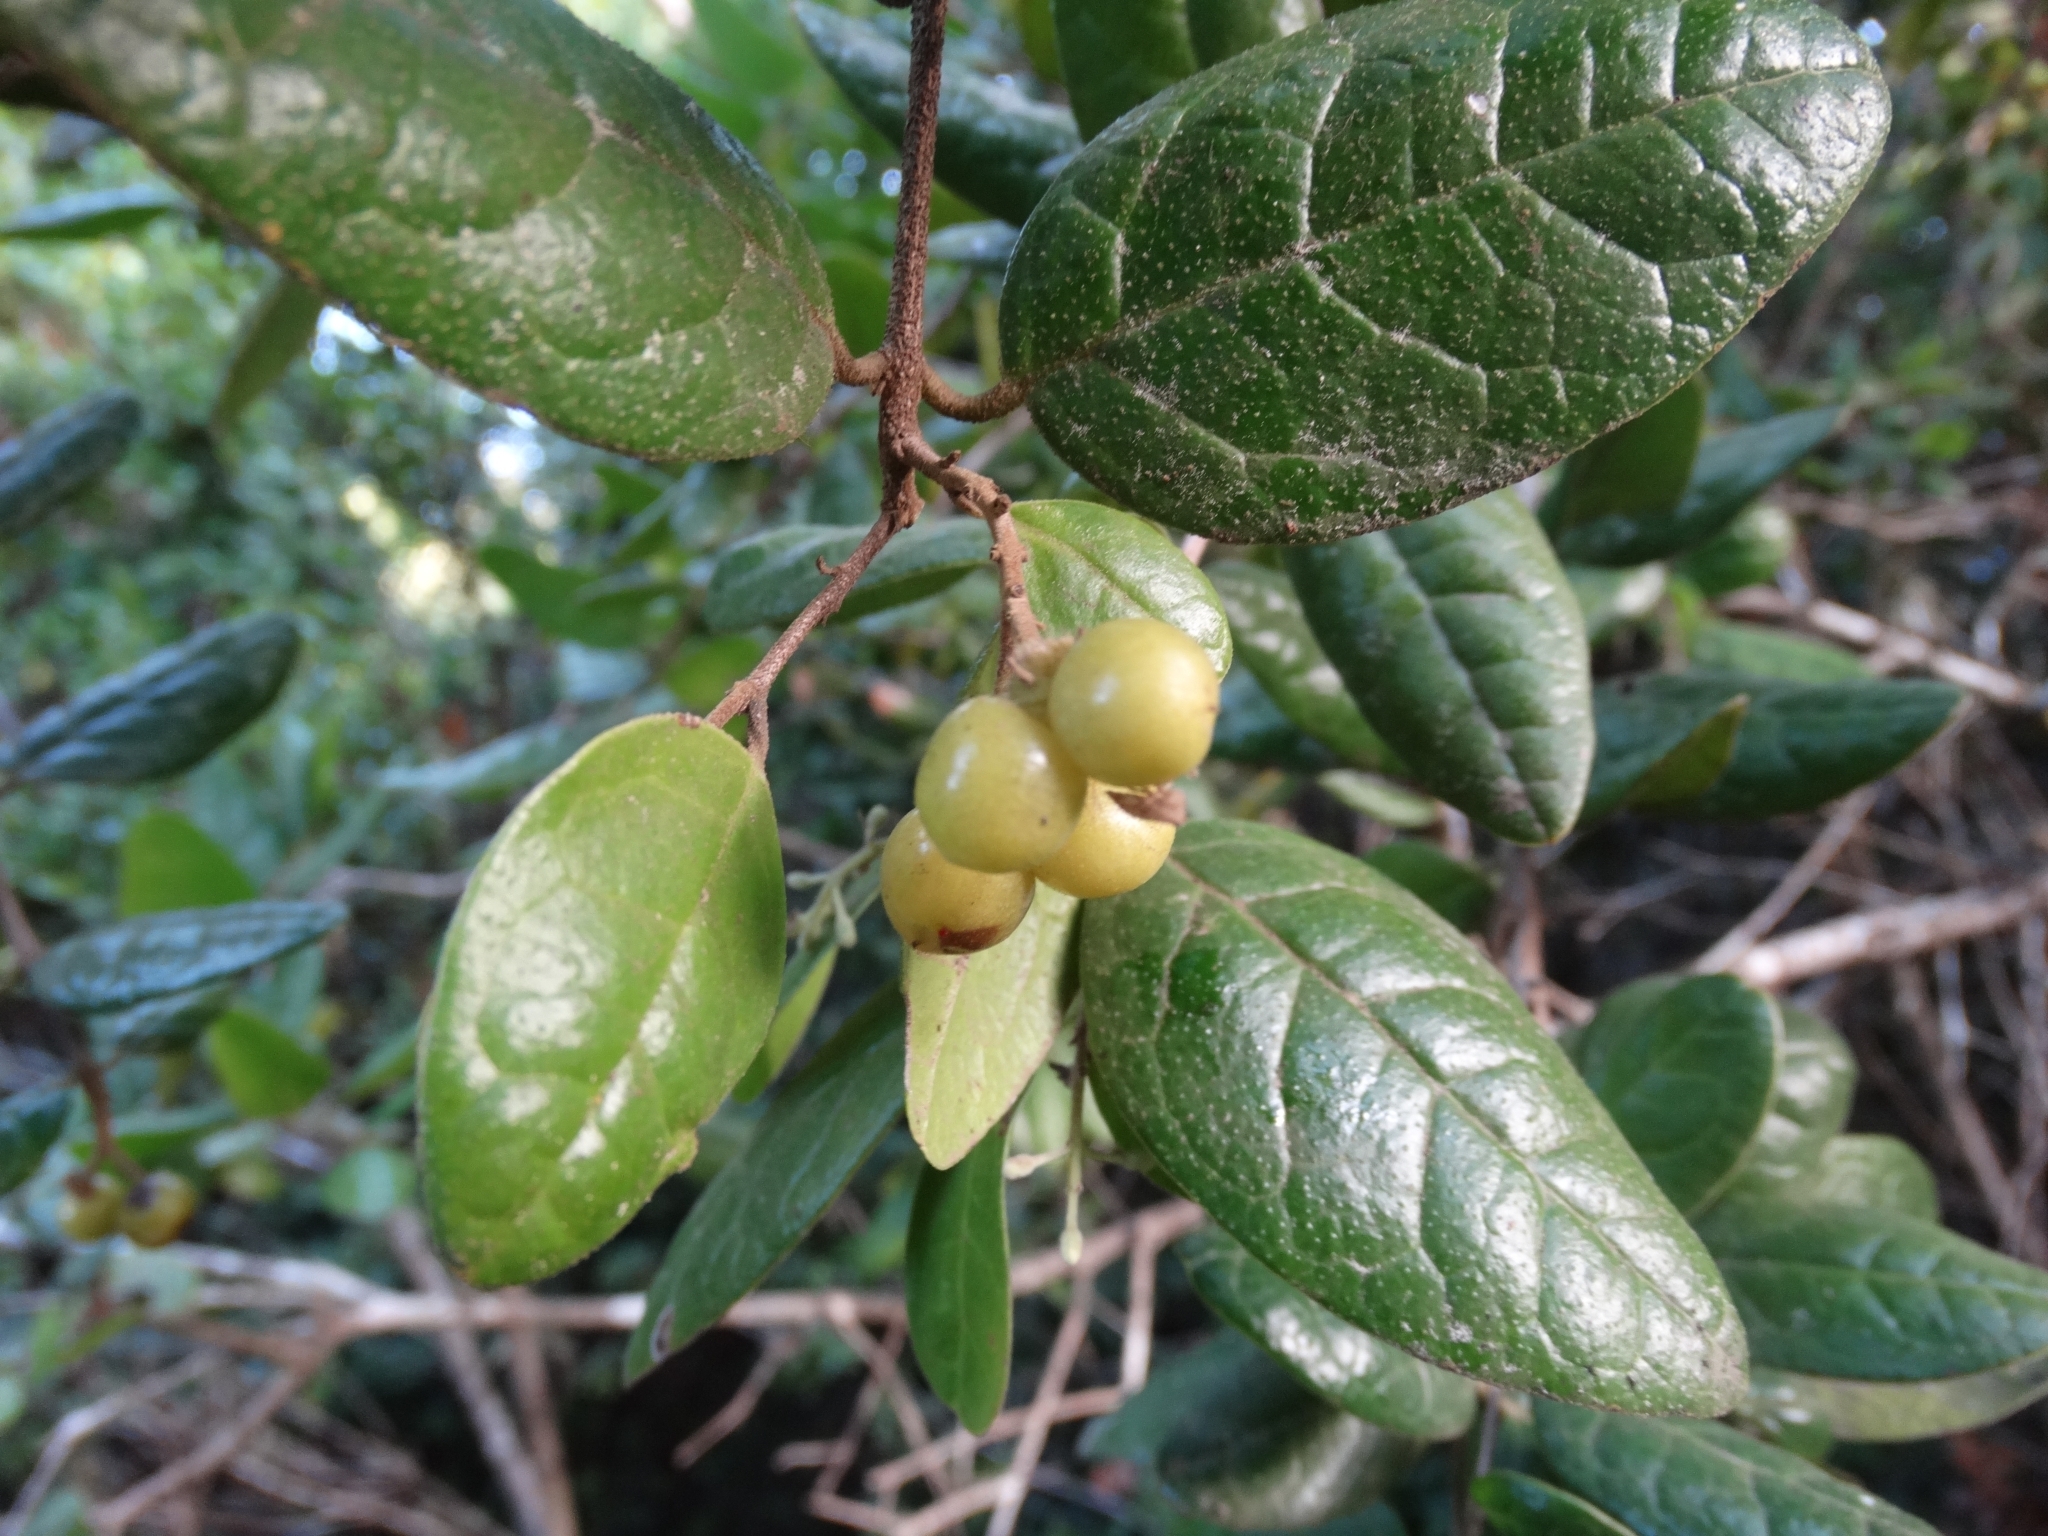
{"x": 1020, "y": 624}
{"x": 942, "y": 397}
{"x": 106, "y": 1149}
{"x": 14, "y": 925}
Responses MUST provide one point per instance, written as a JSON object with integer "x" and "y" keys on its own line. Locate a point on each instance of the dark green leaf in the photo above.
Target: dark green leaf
{"x": 997, "y": 147}
{"x": 61, "y": 454}
{"x": 30, "y": 1124}
{"x": 168, "y": 864}
{"x": 1658, "y": 743}
{"x": 816, "y": 1134}
{"x": 89, "y": 215}
{"x": 860, "y": 295}
{"x": 264, "y": 1071}
{"x": 1380, "y": 267}
{"x": 768, "y": 578}
{"x": 1519, "y": 1505}
{"x": 609, "y": 975}
{"x": 1270, "y": 635}
{"x": 1687, "y": 1067}
{"x": 705, "y": 669}
{"x": 160, "y": 1138}
{"x": 1361, "y": 1374}
{"x": 956, "y": 1282}
{"x": 1746, "y": 553}
{"x": 1386, "y": 802}
{"x": 497, "y": 189}
{"x": 1732, "y": 471}
{"x": 626, "y": 495}
{"x": 1358, "y": 1098}
{"x": 368, "y": 1184}
{"x": 804, "y": 979}
{"x": 1843, "y": 1290}
{"x": 1461, "y": 641}
{"x": 1635, "y": 474}
{"x": 1220, "y": 29}
{"x": 1895, "y": 1410}
{"x": 1115, "y": 54}
{"x": 1267, "y": 1454}
{"x": 164, "y": 714}
{"x": 1877, "y": 1171}
{"x": 273, "y": 338}
{"x": 161, "y": 1025}
{"x": 1250, "y": 728}
{"x": 1809, "y": 1106}
{"x": 1668, "y": 1477}
{"x": 980, "y": 1025}
{"x": 166, "y": 952}
{"x": 1754, "y": 651}
{"x": 566, "y": 602}
{"x": 1456, "y": 891}
{"x": 1611, "y": 599}
{"x": 390, "y": 1063}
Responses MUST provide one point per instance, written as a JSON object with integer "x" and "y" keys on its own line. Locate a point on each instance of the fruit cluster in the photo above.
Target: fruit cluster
{"x": 1015, "y": 790}
{"x": 98, "y": 1205}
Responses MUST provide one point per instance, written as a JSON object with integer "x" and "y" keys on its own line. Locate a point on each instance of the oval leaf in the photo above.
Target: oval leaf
{"x": 1732, "y": 470}
{"x": 1359, "y": 1099}
{"x": 1611, "y": 599}
{"x": 89, "y": 215}
{"x": 1458, "y": 892}
{"x": 956, "y": 1283}
{"x": 161, "y": 1025}
{"x": 805, "y": 975}
{"x": 167, "y": 863}
{"x": 166, "y": 952}
{"x": 368, "y": 1184}
{"x": 1357, "y": 1372}
{"x": 1842, "y": 1290}
{"x": 61, "y": 454}
{"x": 499, "y": 190}
{"x": 1271, "y": 635}
{"x": 164, "y": 714}
{"x": 997, "y": 147}
{"x": 1115, "y": 54}
{"x": 30, "y": 1124}
{"x": 768, "y": 578}
{"x": 263, "y": 1070}
{"x": 1687, "y": 1068}
{"x": 1637, "y": 472}
{"x": 1877, "y": 1171}
{"x": 1892, "y": 1410}
{"x": 1669, "y": 1476}
{"x": 1656, "y": 743}
{"x": 609, "y": 974}
{"x": 1809, "y": 1106}
{"x": 818, "y": 1131}
{"x": 1746, "y": 553}
{"x": 1462, "y": 643}
{"x": 1375, "y": 269}
{"x": 1519, "y": 1505}
{"x": 980, "y": 1025}
{"x": 274, "y": 337}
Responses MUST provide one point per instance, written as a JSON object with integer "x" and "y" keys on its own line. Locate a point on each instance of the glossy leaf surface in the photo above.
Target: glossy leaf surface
{"x": 1458, "y": 892}
{"x": 608, "y": 976}
{"x": 818, "y": 1131}
{"x": 1732, "y": 470}
{"x": 274, "y": 337}
{"x": 167, "y": 863}
{"x": 1115, "y": 54}
{"x": 1809, "y": 1106}
{"x": 805, "y": 976}
{"x": 1355, "y": 1095}
{"x": 1378, "y": 268}
{"x": 1667, "y": 1477}
{"x": 1220, "y": 29}
{"x": 1462, "y": 643}
{"x": 263, "y": 1070}
{"x": 1361, "y": 1374}
{"x": 1271, "y": 636}
{"x": 164, "y": 714}
{"x": 768, "y": 578}
{"x": 1876, "y": 1171}
{"x": 1899, "y": 1410}
{"x": 956, "y": 1282}
{"x": 161, "y": 1025}
{"x": 1759, "y": 652}
{"x": 1687, "y": 1068}
{"x": 980, "y": 1025}
{"x": 1840, "y": 1290}
{"x": 91, "y": 215}
{"x": 30, "y": 1123}
{"x": 165, "y": 952}
{"x": 1517, "y": 1504}
{"x": 61, "y": 454}
{"x": 495, "y": 188}
{"x": 1638, "y": 471}
{"x": 1657, "y": 743}
{"x": 997, "y": 148}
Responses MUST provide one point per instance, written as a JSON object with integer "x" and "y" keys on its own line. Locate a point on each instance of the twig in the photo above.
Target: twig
{"x": 942, "y": 397}
{"x": 1889, "y": 933}
{"x": 341, "y": 1506}
{"x": 464, "y": 1361}
{"x": 775, "y": 1354}
{"x": 1798, "y": 880}
{"x": 14, "y": 925}
{"x": 1007, "y": 1425}
{"x": 537, "y": 1415}
{"x": 106, "y": 1146}
{"x": 1015, "y": 1483}
{"x": 349, "y": 880}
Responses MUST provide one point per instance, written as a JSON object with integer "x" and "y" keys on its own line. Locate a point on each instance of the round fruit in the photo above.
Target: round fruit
{"x": 157, "y": 1209}
{"x": 91, "y": 1206}
{"x": 940, "y": 908}
{"x": 997, "y": 790}
{"x": 1135, "y": 702}
{"x": 1111, "y": 850}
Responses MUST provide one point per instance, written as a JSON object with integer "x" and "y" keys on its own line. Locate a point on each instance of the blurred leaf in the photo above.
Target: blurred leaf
{"x": 1897, "y": 1410}
{"x": 805, "y": 976}
{"x": 1880, "y": 1172}
{"x": 1759, "y": 652}
{"x": 626, "y": 495}
{"x": 975, "y": 245}
{"x": 162, "y": 1138}
{"x": 980, "y": 1025}
{"x": 1609, "y": 599}
{"x": 518, "y": 759}
{"x": 635, "y": 899}
{"x": 61, "y": 454}
{"x": 693, "y": 328}
{"x": 1349, "y": 1367}
{"x": 368, "y": 1185}
{"x": 1461, "y": 641}
{"x": 768, "y": 578}
{"x": 161, "y": 1025}
{"x": 265, "y": 1072}
{"x": 572, "y": 604}
{"x": 860, "y": 295}
{"x": 1519, "y": 1505}
{"x": 1459, "y": 892}
{"x": 1220, "y": 28}
{"x": 1383, "y": 800}
{"x": 1659, "y": 745}
{"x": 166, "y": 713}
{"x": 274, "y": 337}
{"x": 30, "y": 1123}
{"x": 956, "y": 1282}
{"x": 165, "y": 952}
{"x": 390, "y": 1063}
{"x": 818, "y": 1131}
{"x": 1249, "y": 728}
{"x": 1115, "y": 54}
{"x": 1033, "y": 19}
{"x": 1634, "y": 475}
{"x": 168, "y": 864}
{"x": 705, "y": 670}
{"x": 1809, "y": 1106}
{"x": 90, "y": 215}
{"x": 1746, "y": 553}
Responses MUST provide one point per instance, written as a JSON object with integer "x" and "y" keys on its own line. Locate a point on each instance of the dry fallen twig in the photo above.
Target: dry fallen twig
{"x": 1889, "y": 933}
